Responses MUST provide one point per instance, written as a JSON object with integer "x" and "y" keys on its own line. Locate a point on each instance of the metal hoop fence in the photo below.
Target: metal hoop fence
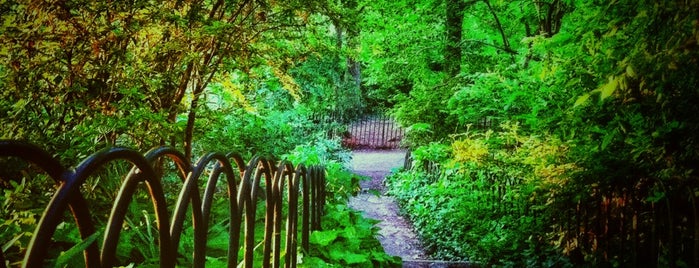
{"x": 281, "y": 187}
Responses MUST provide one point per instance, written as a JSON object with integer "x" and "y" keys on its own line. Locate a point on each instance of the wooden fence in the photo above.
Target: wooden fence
{"x": 281, "y": 187}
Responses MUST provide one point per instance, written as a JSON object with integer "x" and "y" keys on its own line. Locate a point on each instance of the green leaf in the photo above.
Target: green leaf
{"x": 349, "y": 232}
{"x": 655, "y": 196}
{"x": 629, "y": 71}
{"x": 313, "y": 262}
{"x": 420, "y": 127}
{"x": 340, "y": 253}
{"x": 581, "y": 100}
{"x": 607, "y": 140}
{"x": 67, "y": 255}
{"x": 11, "y": 242}
{"x": 608, "y": 89}
{"x": 323, "y": 238}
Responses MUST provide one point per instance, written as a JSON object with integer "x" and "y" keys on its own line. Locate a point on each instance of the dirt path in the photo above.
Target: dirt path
{"x": 396, "y": 234}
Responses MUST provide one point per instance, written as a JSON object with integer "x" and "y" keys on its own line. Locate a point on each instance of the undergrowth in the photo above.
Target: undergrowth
{"x": 346, "y": 239}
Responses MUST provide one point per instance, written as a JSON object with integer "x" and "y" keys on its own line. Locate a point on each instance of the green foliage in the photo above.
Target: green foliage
{"x": 560, "y": 101}
{"x": 82, "y": 75}
{"x": 347, "y": 240}
{"x": 341, "y": 183}
{"x": 69, "y": 255}
{"x": 399, "y": 49}
{"x": 487, "y": 209}
{"x": 136, "y": 247}
{"x": 555, "y": 102}
{"x": 21, "y": 214}
{"x": 326, "y": 88}
{"x": 235, "y": 76}
{"x": 434, "y": 152}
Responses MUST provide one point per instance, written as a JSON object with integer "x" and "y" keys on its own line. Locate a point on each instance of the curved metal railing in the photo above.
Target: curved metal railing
{"x": 243, "y": 182}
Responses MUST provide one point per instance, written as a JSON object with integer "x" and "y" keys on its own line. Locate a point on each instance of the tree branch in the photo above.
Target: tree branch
{"x": 497, "y": 22}
{"x": 506, "y": 49}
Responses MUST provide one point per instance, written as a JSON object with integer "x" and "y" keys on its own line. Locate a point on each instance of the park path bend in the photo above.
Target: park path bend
{"x": 396, "y": 233}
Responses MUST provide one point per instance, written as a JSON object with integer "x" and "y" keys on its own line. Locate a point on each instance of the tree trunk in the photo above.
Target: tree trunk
{"x": 454, "y": 26}
{"x": 338, "y": 46}
{"x": 355, "y": 70}
{"x": 191, "y": 117}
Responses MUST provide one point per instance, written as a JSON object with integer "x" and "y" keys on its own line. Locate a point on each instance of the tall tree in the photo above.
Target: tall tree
{"x": 344, "y": 16}
{"x": 82, "y": 68}
{"x": 454, "y": 27}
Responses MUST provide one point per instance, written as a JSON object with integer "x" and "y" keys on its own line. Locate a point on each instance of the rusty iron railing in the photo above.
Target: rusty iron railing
{"x": 362, "y": 131}
{"x": 280, "y": 183}
{"x": 376, "y": 131}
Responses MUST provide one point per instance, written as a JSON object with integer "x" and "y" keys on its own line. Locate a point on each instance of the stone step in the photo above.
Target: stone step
{"x": 436, "y": 264}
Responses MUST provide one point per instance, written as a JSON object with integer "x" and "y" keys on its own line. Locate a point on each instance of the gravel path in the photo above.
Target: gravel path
{"x": 396, "y": 234}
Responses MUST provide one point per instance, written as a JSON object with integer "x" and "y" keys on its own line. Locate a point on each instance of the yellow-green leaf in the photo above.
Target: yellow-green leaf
{"x": 582, "y": 99}
{"x": 630, "y": 72}
{"x": 608, "y": 89}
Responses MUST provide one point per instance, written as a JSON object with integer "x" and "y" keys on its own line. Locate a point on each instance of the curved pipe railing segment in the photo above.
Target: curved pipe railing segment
{"x": 262, "y": 182}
